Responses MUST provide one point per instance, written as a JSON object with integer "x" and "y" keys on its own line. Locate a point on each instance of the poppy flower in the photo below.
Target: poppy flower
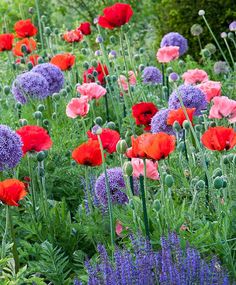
{"x": 115, "y": 16}
{"x": 30, "y": 45}
{"x": 179, "y": 116}
{"x": 219, "y": 138}
{"x": 108, "y": 137}
{"x": 194, "y": 76}
{"x": 167, "y": 54}
{"x": 102, "y": 71}
{"x": 143, "y": 113}
{"x": 24, "y": 29}
{"x": 6, "y": 42}
{"x": 123, "y": 82}
{"x": 85, "y": 28}
{"x": 34, "y": 138}
{"x": 11, "y": 191}
{"x": 77, "y": 107}
{"x": 91, "y": 90}
{"x": 151, "y": 168}
{"x": 64, "y": 61}
{"x": 210, "y": 89}
{"x": 88, "y": 153}
{"x": 223, "y": 108}
{"x": 33, "y": 58}
{"x": 73, "y": 36}
{"x": 137, "y": 149}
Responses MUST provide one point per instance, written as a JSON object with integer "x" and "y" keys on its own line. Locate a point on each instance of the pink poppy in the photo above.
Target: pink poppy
{"x": 123, "y": 83}
{"x": 151, "y": 168}
{"x": 194, "y": 76}
{"x": 167, "y": 54}
{"x": 77, "y": 107}
{"x": 210, "y": 89}
{"x": 119, "y": 228}
{"x": 91, "y": 90}
{"x": 223, "y": 108}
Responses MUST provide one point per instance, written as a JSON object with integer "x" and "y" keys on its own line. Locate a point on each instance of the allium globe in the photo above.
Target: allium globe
{"x": 159, "y": 123}
{"x": 151, "y": 75}
{"x": 175, "y": 39}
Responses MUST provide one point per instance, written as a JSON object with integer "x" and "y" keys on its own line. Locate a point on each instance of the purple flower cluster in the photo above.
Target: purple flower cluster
{"x": 52, "y": 74}
{"x": 10, "y": 148}
{"x": 171, "y": 265}
{"x": 159, "y": 123}
{"x": 232, "y": 26}
{"x": 192, "y": 97}
{"x": 29, "y": 85}
{"x": 175, "y": 39}
{"x": 221, "y": 67}
{"x": 151, "y": 75}
{"x": 116, "y": 185}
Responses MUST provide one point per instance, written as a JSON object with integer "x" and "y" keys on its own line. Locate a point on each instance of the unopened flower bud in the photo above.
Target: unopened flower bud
{"x": 98, "y": 121}
{"x": 99, "y": 39}
{"x": 111, "y": 125}
{"x": 56, "y": 96}
{"x": 181, "y": 63}
{"x": 225, "y": 159}
{"x": 231, "y": 35}
{"x": 47, "y": 31}
{"x": 196, "y": 30}
{"x": 121, "y": 147}
{"x": 63, "y": 92}
{"x": 40, "y": 60}
{"x": 223, "y": 35}
{"x": 24, "y": 49}
{"x": 18, "y": 105}
{"x": 173, "y": 77}
{"x": 31, "y": 10}
{"x": 136, "y": 57}
{"x": 112, "y": 39}
{"x": 186, "y": 125}
{"x": 156, "y": 205}
{"x": 85, "y": 65}
{"x": 176, "y": 126}
{"x": 128, "y": 168}
{"x": 96, "y": 130}
{"x": 84, "y": 51}
{"x": 217, "y": 172}
{"x": 200, "y": 185}
{"x": 141, "y": 67}
{"x": 169, "y": 70}
{"x": 112, "y": 54}
{"x": 6, "y": 90}
{"x": 205, "y": 53}
{"x": 29, "y": 65}
{"x": 141, "y": 50}
{"x": 201, "y": 12}
{"x": 218, "y": 182}
{"x": 45, "y": 122}
{"x": 41, "y": 156}
{"x": 169, "y": 180}
{"x": 38, "y": 115}
{"x": 41, "y": 108}
{"x": 23, "y": 122}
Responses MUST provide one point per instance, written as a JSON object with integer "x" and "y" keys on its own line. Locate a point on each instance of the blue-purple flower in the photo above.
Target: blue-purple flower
{"x": 151, "y": 75}
{"x": 232, "y": 26}
{"x": 192, "y": 97}
{"x": 10, "y": 148}
{"x": 159, "y": 123}
{"x": 221, "y": 67}
{"x": 175, "y": 39}
{"x": 52, "y": 74}
{"x": 29, "y": 85}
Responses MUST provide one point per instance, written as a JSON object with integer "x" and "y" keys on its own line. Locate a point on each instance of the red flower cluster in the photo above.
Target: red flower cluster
{"x": 24, "y": 29}
{"x": 152, "y": 146}
{"x": 85, "y": 28}
{"x": 64, "y": 61}
{"x": 115, "y": 16}
{"x": 101, "y": 70}
{"x": 179, "y": 116}
{"x": 88, "y": 153}
{"x": 108, "y": 137}
{"x": 30, "y": 45}
{"x": 73, "y": 36}
{"x": 219, "y": 138}
{"x": 143, "y": 113}
{"x": 11, "y": 191}
{"x": 6, "y": 42}
{"x": 34, "y": 138}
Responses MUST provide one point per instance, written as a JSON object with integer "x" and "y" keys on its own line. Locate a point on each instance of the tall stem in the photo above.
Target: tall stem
{"x": 39, "y": 23}
{"x": 145, "y": 215}
{"x": 32, "y": 188}
{"x": 3, "y": 253}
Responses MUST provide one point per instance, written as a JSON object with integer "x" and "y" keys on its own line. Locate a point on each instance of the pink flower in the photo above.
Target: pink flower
{"x": 223, "y": 107}
{"x": 119, "y": 228}
{"x": 210, "y": 89}
{"x": 123, "y": 83}
{"x": 91, "y": 90}
{"x": 194, "y": 76}
{"x": 77, "y": 107}
{"x": 138, "y": 168}
{"x": 167, "y": 54}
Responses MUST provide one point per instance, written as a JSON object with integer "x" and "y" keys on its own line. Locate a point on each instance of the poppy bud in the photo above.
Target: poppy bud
{"x": 205, "y": 53}
{"x": 55, "y": 96}
{"x": 85, "y": 65}
{"x": 225, "y": 159}
{"x": 131, "y": 204}
{"x": 181, "y": 146}
{"x": 141, "y": 50}
{"x": 136, "y": 57}
{"x": 212, "y": 124}
{"x": 98, "y": 121}
{"x": 47, "y": 31}
{"x": 176, "y": 126}
{"x": 63, "y": 92}
{"x": 23, "y": 122}
{"x": 111, "y": 125}
{"x": 40, "y": 60}
{"x": 73, "y": 163}
{"x": 201, "y": 12}
{"x": 41, "y": 108}
{"x": 45, "y": 122}
{"x": 54, "y": 116}
{"x": 96, "y": 130}
{"x": 56, "y": 31}
{"x": 181, "y": 63}
{"x": 43, "y": 18}
{"x": 68, "y": 89}
{"x": 156, "y": 205}
{"x": 200, "y": 185}
{"x": 198, "y": 128}
{"x": 18, "y": 105}
{"x": 84, "y": 51}
{"x": 31, "y": 10}
{"x": 121, "y": 147}
{"x": 169, "y": 70}
{"x": 6, "y": 90}
{"x": 128, "y": 168}
{"x": 114, "y": 78}
{"x": 29, "y": 65}
{"x": 68, "y": 153}
{"x": 186, "y": 125}
{"x": 218, "y": 182}
{"x": 141, "y": 67}
{"x": 231, "y": 35}
{"x": 224, "y": 182}
{"x": 38, "y": 115}
{"x": 217, "y": 172}
{"x": 24, "y": 49}
{"x": 169, "y": 180}
{"x": 194, "y": 181}
{"x": 99, "y": 39}
{"x": 40, "y": 156}
{"x": 22, "y": 60}
{"x": 95, "y": 73}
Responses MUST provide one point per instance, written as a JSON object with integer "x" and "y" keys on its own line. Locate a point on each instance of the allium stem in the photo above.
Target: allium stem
{"x": 107, "y": 108}
{"x": 199, "y": 41}
{"x": 88, "y": 190}
{"x": 3, "y": 253}
{"x": 39, "y": 23}
{"x": 32, "y": 187}
{"x": 108, "y": 194}
{"x": 185, "y": 146}
{"x": 163, "y": 74}
{"x": 230, "y": 53}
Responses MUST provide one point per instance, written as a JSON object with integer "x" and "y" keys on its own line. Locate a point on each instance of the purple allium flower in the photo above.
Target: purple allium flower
{"x": 221, "y": 67}
{"x": 52, "y": 74}
{"x": 159, "y": 124}
{"x": 173, "y": 76}
{"x": 112, "y": 54}
{"x": 30, "y": 85}
{"x": 175, "y": 39}
{"x": 151, "y": 75}
{"x": 192, "y": 97}
{"x": 232, "y": 26}
{"x": 10, "y": 148}
{"x": 116, "y": 184}
{"x": 223, "y": 35}
{"x": 97, "y": 53}
{"x": 99, "y": 39}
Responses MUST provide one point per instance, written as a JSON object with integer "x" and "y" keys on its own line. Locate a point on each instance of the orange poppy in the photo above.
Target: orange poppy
{"x": 137, "y": 149}
{"x": 219, "y": 138}
{"x": 6, "y": 42}
{"x": 179, "y": 116}
{"x": 88, "y": 153}
{"x": 64, "y": 61}
{"x": 30, "y": 45}
{"x": 34, "y": 59}
{"x": 11, "y": 191}
{"x": 24, "y": 28}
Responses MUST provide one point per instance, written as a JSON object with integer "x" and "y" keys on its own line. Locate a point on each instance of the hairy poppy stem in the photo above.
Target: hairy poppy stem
{"x": 163, "y": 74}
{"x": 88, "y": 190}
{"x": 32, "y": 186}
{"x": 3, "y": 253}
{"x": 39, "y": 23}
{"x": 145, "y": 215}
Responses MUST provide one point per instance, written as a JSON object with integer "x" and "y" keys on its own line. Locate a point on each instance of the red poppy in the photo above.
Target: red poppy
{"x": 219, "y": 138}
{"x": 88, "y": 153}
{"x": 143, "y": 113}
{"x": 108, "y": 137}
{"x": 24, "y": 29}
{"x": 73, "y": 36}
{"x": 179, "y": 116}
{"x": 34, "y": 59}
{"x": 11, "y": 191}
{"x": 6, "y": 42}
{"x": 34, "y": 138}
{"x": 85, "y": 28}
{"x": 159, "y": 146}
{"x": 64, "y": 61}
{"x": 30, "y": 45}
{"x": 137, "y": 149}
{"x": 101, "y": 70}
{"x": 115, "y": 16}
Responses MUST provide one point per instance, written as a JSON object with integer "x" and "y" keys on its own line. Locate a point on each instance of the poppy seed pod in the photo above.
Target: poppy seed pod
{"x": 121, "y": 147}
{"x": 169, "y": 180}
{"x": 218, "y": 182}
{"x": 128, "y": 168}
